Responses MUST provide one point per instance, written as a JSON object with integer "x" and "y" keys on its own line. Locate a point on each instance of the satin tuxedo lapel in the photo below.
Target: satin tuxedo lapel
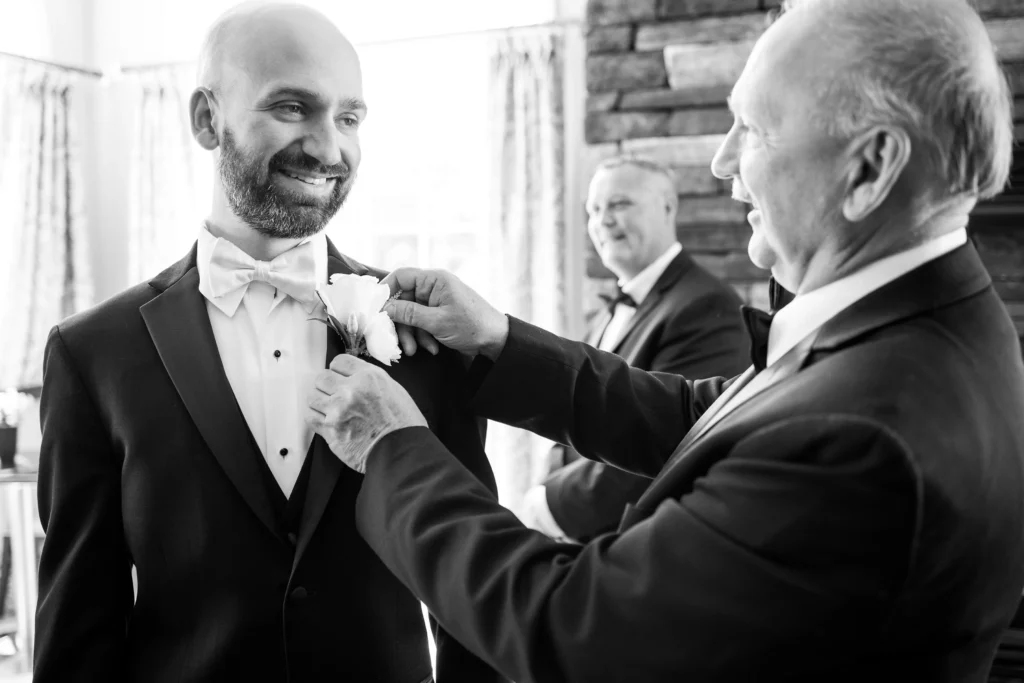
{"x": 179, "y": 324}
{"x": 675, "y": 270}
{"x": 326, "y": 469}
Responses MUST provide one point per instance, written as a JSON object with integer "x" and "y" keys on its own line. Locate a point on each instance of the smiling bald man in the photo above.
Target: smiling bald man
{"x": 173, "y": 431}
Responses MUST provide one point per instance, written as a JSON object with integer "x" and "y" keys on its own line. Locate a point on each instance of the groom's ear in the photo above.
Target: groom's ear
{"x": 200, "y": 113}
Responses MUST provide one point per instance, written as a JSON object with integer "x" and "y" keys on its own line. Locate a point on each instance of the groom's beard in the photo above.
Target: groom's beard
{"x": 269, "y": 209}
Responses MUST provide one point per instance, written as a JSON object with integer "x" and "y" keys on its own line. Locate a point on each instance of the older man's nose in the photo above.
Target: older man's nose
{"x": 725, "y": 163}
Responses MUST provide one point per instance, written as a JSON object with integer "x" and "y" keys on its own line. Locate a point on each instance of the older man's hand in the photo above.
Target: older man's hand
{"x": 354, "y": 404}
{"x": 442, "y": 306}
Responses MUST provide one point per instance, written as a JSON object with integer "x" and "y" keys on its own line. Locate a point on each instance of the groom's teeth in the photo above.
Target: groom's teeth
{"x": 308, "y": 181}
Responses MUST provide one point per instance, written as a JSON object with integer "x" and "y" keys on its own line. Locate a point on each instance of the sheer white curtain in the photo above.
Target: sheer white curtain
{"x": 164, "y": 216}
{"x": 528, "y": 218}
{"x": 44, "y": 255}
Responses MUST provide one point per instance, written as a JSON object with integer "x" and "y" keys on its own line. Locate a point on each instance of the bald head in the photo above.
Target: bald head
{"x": 251, "y": 38}
{"x": 925, "y": 65}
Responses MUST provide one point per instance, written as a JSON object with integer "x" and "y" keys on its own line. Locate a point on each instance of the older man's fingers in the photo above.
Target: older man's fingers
{"x": 319, "y": 402}
{"x": 406, "y": 339}
{"x": 414, "y": 314}
{"x": 346, "y": 365}
{"x": 427, "y": 341}
{"x": 328, "y": 381}
{"x": 415, "y": 284}
{"x": 315, "y": 418}
{"x": 402, "y": 280}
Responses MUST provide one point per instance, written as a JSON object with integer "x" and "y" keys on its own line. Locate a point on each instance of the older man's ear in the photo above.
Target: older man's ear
{"x": 878, "y": 158}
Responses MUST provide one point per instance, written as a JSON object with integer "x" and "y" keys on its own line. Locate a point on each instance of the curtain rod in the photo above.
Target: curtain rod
{"x": 559, "y": 23}
{"x": 55, "y": 65}
{"x": 567, "y": 23}
{"x": 138, "y": 68}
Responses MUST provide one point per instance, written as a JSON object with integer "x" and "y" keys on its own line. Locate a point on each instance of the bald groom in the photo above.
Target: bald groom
{"x": 173, "y": 438}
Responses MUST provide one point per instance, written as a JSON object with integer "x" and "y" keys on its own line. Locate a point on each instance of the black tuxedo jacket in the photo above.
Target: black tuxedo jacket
{"x": 146, "y": 460}
{"x": 688, "y": 325}
{"x": 860, "y": 520}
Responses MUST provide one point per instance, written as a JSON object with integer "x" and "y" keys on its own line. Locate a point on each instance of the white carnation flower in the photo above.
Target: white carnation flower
{"x": 353, "y": 305}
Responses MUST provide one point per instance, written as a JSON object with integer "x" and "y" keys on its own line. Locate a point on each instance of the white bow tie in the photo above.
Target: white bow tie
{"x": 231, "y": 270}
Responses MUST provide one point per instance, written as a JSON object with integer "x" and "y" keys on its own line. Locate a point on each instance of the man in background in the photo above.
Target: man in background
{"x": 173, "y": 438}
{"x": 669, "y": 315}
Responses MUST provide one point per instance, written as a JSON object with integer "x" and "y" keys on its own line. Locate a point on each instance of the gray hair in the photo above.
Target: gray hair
{"x": 647, "y": 164}
{"x": 929, "y": 67}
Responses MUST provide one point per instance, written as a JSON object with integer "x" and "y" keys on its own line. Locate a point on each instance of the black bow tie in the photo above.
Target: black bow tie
{"x": 620, "y": 298}
{"x": 778, "y": 297}
{"x": 758, "y": 325}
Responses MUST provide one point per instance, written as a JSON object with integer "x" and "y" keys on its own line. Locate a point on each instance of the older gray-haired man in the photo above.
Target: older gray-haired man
{"x": 849, "y": 509}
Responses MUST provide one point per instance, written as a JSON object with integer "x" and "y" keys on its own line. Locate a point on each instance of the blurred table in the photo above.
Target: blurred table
{"x": 18, "y": 507}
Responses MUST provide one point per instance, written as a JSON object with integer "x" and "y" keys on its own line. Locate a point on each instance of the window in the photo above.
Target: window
{"x": 421, "y": 197}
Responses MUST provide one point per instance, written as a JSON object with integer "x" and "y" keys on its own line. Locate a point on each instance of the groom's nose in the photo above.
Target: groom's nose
{"x": 324, "y": 142}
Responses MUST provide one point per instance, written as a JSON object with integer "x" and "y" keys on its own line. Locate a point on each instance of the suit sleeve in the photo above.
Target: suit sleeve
{"x": 703, "y": 338}
{"x": 463, "y": 434}
{"x": 806, "y": 520}
{"x": 85, "y": 584}
{"x": 594, "y": 401}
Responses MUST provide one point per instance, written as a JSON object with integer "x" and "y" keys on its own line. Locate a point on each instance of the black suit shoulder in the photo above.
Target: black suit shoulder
{"x": 695, "y": 329}
{"x": 120, "y": 313}
{"x": 697, "y": 284}
{"x": 116, "y": 308}
{"x": 956, "y": 361}
{"x": 699, "y": 298}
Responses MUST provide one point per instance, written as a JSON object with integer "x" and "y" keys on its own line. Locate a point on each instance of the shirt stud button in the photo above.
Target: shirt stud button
{"x": 277, "y": 354}
{"x": 284, "y": 451}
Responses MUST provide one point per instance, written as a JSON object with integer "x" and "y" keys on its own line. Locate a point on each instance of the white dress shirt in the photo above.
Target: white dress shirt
{"x": 806, "y": 313}
{"x": 271, "y": 354}
{"x": 638, "y": 287}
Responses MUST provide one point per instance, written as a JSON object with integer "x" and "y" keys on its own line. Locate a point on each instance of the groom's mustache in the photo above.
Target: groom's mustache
{"x": 308, "y": 164}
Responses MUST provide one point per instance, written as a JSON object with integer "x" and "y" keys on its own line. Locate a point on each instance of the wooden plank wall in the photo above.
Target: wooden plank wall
{"x": 658, "y": 72}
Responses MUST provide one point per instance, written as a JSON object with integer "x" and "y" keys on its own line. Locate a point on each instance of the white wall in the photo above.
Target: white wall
{"x": 46, "y": 29}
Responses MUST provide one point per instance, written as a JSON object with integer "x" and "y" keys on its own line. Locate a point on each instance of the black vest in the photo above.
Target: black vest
{"x": 287, "y": 509}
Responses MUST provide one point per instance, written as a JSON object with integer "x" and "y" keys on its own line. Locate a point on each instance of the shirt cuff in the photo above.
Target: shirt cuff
{"x": 537, "y": 515}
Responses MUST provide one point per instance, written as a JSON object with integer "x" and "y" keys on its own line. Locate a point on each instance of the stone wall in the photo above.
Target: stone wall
{"x": 658, "y": 72}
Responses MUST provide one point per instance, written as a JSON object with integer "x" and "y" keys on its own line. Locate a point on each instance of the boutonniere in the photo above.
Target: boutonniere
{"x": 352, "y": 307}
